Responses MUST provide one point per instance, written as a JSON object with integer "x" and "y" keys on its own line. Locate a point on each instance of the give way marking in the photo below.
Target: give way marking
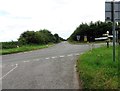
{"x": 9, "y": 72}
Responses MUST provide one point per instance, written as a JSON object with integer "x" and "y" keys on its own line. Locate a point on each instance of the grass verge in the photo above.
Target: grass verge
{"x": 77, "y": 42}
{"x": 23, "y": 49}
{"x": 97, "y": 70}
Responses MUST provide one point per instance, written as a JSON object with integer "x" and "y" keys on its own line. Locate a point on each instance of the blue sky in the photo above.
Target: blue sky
{"x": 58, "y": 16}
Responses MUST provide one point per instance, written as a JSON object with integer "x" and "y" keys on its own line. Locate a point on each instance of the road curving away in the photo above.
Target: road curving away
{"x": 50, "y": 68}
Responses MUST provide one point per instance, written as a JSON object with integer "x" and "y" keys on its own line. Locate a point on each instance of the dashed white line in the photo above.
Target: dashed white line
{"x": 9, "y": 72}
{"x": 70, "y": 55}
{"x": 77, "y": 54}
{"x": 47, "y": 58}
{"x": 62, "y": 56}
{"x": 25, "y": 61}
{"x": 53, "y": 57}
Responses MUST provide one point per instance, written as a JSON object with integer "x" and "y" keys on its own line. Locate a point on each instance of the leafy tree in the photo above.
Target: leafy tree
{"x": 57, "y": 38}
{"x": 27, "y": 37}
{"x": 47, "y": 35}
{"x": 91, "y": 30}
{"x": 39, "y": 37}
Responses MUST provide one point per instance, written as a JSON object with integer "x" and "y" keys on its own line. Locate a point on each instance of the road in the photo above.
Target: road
{"x": 50, "y": 68}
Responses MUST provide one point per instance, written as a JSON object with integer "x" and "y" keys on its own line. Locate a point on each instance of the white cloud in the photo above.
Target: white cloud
{"x": 58, "y": 16}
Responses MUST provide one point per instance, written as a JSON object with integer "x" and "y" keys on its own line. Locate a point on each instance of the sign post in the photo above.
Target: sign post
{"x": 85, "y": 38}
{"x": 78, "y": 37}
{"x": 112, "y": 14}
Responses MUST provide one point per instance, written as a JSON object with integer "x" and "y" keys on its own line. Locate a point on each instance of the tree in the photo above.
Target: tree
{"x": 57, "y": 38}
{"x": 91, "y": 30}
{"x": 27, "y": 37}
{"x": 47, "y": 35}
{"x": 39, "y": 37}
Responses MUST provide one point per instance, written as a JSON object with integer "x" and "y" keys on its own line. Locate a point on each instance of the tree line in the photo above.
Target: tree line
{"x": 92, "y": 30}
{"x": 33, "y": 38}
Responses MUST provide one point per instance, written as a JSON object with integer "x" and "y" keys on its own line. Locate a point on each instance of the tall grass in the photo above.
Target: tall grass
{"x": 97, "y": 69}
{"x": 23, "y": 49}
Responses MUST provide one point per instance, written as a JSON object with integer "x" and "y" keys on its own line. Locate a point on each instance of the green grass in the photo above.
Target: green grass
{"x": 97, "y": 70}
{"x": 23, "y": 49}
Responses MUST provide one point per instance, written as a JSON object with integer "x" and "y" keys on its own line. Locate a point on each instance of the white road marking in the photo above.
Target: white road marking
{"x": 47, "y": 58}
{"x": 9, "y": 72}
{"x": 70, "y": 55}
{"x": 77, "y": 54}
{"x": 53, "y": 57}
{"x": 25, "y": 61}
{"x": 62, "y": 56}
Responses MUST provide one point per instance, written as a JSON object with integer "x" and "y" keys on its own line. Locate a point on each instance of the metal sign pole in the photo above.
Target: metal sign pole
{"x": 112, "y": 13}
{"x": 113, "y": 30}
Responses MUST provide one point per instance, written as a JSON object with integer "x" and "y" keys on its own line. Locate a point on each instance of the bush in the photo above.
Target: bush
{"x": 9, "y": 45}
{"x": 39, "y": 37}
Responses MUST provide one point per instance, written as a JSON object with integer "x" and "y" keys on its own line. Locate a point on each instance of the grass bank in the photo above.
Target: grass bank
{"x": 23, "y": 49}
{"x": 97, "y": 70}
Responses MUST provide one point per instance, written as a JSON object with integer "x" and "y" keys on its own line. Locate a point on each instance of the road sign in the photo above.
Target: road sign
{"x": 85, "y": 38}
{"x": 78, "y": 37}
{"x": 112, "y": 13}
{"x": 109, "y": 11}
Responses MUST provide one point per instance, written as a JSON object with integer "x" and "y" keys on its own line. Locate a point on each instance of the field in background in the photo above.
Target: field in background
{"x": 97, "y": 70}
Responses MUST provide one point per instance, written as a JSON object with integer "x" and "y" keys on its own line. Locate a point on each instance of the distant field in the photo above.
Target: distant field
{"x": 23, "y": 49}
{"x": 97, "y": 70}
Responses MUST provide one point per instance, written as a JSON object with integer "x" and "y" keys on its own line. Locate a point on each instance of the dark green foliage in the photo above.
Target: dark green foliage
{"x": 33, "y": 38}
{"x": 47, "y": 36}
{"x": 28, "y": 37}
{"x": 57, "y": 38}
{"x": 39, "y": 37}
{"x": 62, "y": 39}
{"x": 92, "y": 31}
{"x": 8, "y": 45}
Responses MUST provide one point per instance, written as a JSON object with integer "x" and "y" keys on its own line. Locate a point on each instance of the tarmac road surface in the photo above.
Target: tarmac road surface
{"x": 50, "y": 68}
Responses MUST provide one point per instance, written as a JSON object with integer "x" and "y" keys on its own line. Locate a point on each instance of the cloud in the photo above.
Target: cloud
{"x": 58, "y": 16}
{"x": 24, "y": 18}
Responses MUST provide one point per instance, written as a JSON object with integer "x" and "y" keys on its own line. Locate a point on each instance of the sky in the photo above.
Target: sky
{"x": 58, "y": 16}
